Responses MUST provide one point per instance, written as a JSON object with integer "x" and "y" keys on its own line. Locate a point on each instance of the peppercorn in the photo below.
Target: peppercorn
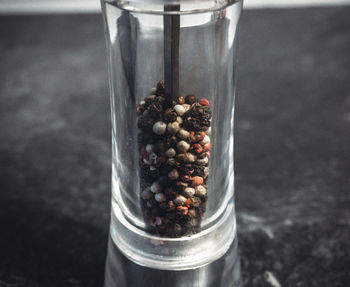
{"x": 189, "y": 157}
{"x": 145, "y": 123}
{"x": 155, "y": 108}
{"x": 181, "y": 100}
{"x": 173, "y": 128}
{"x": 182, "y": 146}
{"x": 170, "y": 152}
{"x": 204, "y": 102}
{"x": 140, "y": 109}
{"x": 201, "y": 191}
{"x": 171, "y": 162}
{"x": 197, "y": 148}
{"x": 170, "y": 115}
{"x": 156, "y": 187}
{"x": 202, "y": 161}
{"x": 189, "y": 192}
{"x": 174, "y": 174}
{"x": 208, "y": 131}
{"x": 183, "y": 134}
{"x": 205, "y": 140}
{"x": 160, "y": 197}
{"x": 183, "y": 209}
{"x": 197, "y": 180}
{"x": 180, "y": 200}
{"x": 159, "y": 128}
{"x": 179, "y": 109}
{"x": 171, "y": 206}
{"x": 160, "y": 88}
{"x": 190, "y": 99}
{"x": 192, "y": 213}
{"x": 196, "y": 201}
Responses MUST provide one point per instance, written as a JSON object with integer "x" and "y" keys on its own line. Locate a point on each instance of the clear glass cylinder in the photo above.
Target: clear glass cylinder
{"x": 172, "y": 81}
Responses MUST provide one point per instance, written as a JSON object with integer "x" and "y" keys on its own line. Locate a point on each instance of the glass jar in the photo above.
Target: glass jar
{"x": 172, "y": 83}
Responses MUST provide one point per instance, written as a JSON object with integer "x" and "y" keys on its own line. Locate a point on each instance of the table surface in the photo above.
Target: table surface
{"x": 292, "y": 148}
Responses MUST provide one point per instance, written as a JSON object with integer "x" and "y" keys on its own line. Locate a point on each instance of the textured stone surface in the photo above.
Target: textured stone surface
{"x": 292, "y": 149}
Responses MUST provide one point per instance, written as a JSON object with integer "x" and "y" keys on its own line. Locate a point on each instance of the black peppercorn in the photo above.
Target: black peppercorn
{"x": 160, "y": 88}
{"x": 170, "y": 115}
{"x": 145, "y": 123}
{"x": 190, "y": 99}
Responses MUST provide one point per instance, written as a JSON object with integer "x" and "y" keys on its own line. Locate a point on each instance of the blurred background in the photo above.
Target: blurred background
{"x": 292, "y": 151}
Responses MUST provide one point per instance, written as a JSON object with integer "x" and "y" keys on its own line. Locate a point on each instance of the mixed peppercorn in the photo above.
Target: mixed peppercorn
{"x": 174, "y": 151}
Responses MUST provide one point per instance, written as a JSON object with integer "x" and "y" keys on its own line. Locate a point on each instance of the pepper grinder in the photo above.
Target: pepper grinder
{"x": 171, "y": 67}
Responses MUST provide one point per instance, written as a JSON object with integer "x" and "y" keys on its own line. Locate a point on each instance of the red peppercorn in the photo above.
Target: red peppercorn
{"x": 197, "y": 180}
{"x": 188, "y": 202}
{"x": 197, "y": 148}
{"x": 204, "y": 102}
{"x": 183, "y": 209}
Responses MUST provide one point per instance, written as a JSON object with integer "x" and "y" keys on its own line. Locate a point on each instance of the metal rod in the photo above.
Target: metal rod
{"x": 171, "y": 53}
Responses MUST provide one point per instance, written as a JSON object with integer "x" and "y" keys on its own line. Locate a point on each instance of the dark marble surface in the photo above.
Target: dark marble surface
{"x": 292, "y": 149}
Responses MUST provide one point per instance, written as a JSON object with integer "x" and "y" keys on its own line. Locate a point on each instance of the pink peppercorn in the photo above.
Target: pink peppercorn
{"x": 183, "y": 209}
{"x": 204, "y": 102}
{"x": 197, "y": 148}
{"x": 197, "y": 180}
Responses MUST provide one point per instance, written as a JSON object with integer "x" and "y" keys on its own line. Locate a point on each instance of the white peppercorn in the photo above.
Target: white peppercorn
{"x": 206, "y": 172}
{"x": 156, "y": 187}
{"x": 189, "y": 191}
{"x": 186, "y": 107}
{"x": 170, "y": 152}
{"x": 179, "y": 109}
{"x": 174, "y": 174}
{"x": 159, "y": 128}
{"x": 160, "y": 197}
{"x": 190, "y": 157}
{"x": 202, "y": 161}
{"x": 201, "y": 191}
{"x": 205, "y": 140}
{"x": 208, "y": 131}
{"x": 183, "y": 134}
{"x": 183, "y": 146}
{"x": 173, "y": 128}
{"x": 180, "y": 200}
